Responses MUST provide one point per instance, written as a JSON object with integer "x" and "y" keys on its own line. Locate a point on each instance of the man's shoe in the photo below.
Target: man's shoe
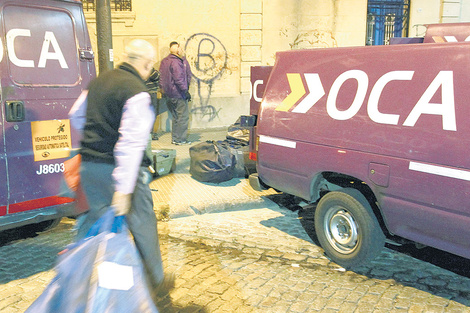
{"x": 162, "y": 289}
{"x": 181, "y": 143}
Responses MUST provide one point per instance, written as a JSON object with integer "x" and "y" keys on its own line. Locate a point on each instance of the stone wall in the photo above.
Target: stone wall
{"x": 224, "y": 38}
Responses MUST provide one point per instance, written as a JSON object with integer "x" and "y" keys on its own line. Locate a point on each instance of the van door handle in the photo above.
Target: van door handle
{"x": 86, "y": 55}
{"x": 14, "y": 111}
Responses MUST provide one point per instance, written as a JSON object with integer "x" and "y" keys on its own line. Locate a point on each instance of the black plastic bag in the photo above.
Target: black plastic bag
{"x": 239, "y": 134}
{"x": 211, "y": 162}
{"x": 239, "y": 151}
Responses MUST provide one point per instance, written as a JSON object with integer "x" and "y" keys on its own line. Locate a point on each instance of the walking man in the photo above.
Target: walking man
{"x": 115, "y": 117}
{"x": 175, "y": 79}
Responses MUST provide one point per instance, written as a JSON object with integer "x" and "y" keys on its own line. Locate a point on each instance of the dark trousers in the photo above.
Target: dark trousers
{"x": 97, "y": 182}
{"x": 180, "y": 112}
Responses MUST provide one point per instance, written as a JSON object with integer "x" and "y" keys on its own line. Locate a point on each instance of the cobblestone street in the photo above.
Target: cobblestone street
{"x": 294, "y": 156}
{"x": 253, "y": 260}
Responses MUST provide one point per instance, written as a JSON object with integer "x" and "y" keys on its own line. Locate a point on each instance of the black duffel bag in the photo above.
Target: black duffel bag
{"x": 238, "y": 151}
{"x": 211, "y": 162}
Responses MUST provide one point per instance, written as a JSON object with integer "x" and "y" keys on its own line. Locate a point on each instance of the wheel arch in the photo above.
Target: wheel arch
{"x": 324, "y": 182}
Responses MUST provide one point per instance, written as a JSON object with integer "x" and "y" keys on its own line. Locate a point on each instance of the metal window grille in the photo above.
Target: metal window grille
{"x": 386, "y": 19}
{"x": 116, "y": 5}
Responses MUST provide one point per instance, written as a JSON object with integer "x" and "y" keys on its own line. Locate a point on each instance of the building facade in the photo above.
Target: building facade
{"x": 224, "y": 38}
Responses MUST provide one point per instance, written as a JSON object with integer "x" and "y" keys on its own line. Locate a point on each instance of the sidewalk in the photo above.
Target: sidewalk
{"x": 180, "y": 195}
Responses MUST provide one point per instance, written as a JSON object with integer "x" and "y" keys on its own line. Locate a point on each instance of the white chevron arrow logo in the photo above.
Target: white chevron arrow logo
{"x": 316, "y": 91}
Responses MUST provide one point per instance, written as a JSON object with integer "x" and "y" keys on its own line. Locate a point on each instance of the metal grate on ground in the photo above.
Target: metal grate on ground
{"x": 178, "y": 194}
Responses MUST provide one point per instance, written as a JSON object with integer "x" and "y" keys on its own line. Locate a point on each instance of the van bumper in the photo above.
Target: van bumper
{"x": 36, "y": 216}
{"x": 255, "y": 182}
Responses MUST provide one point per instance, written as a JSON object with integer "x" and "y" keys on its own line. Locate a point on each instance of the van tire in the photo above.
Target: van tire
{"x": 360, "y": 237}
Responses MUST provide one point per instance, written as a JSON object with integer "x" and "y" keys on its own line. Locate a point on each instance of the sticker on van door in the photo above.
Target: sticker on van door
{"x": 51, "y": 139}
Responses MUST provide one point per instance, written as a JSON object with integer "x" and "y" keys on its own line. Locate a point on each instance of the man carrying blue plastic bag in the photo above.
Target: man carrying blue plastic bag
{"x": 115, "y": 116}
{"x": 102, "y": 272}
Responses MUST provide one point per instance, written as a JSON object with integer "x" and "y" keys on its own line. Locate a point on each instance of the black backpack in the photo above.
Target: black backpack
{"x": 211, "y": 162}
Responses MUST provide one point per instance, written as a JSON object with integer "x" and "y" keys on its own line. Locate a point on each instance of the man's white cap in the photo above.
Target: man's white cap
{"x": 139, "y": 49}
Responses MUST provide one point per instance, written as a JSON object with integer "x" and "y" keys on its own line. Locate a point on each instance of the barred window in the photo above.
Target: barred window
{"x": 386, "y": 19}
{"x": 116, "y": 5}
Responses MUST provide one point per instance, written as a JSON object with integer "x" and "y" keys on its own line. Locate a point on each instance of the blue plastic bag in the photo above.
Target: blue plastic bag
{"x": 100, "y": 273}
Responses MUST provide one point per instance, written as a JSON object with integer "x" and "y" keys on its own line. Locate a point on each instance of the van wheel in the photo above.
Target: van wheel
{"x": 347, "y": 229}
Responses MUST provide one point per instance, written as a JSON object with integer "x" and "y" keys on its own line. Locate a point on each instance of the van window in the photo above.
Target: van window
{"x": 39, "y": 46}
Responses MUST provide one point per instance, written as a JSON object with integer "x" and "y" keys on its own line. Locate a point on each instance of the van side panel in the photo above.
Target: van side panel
{"x": 446, "y": 32}
{"x": 391, "y": 116}
{"x": 259, "y": 78}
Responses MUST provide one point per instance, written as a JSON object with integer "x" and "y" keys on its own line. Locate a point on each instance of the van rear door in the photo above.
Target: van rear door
{"x": 40, "y": 80}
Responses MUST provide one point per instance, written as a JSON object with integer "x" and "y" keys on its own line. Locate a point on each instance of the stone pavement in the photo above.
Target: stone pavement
{"x": 253, "y": 260}
{"x": 246, "y": 254}
{"x": 180, "y": 195}
{"x": 270, "y": 264}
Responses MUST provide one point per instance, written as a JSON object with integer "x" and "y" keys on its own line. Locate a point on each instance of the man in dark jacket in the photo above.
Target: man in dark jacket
{"x": 175, "y": 79}
{"x": 115, "y": 116}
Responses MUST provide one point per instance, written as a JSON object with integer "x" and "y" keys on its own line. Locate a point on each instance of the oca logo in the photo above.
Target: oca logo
{"x": 315, "y": 91}
{"x": 50, "y": 49}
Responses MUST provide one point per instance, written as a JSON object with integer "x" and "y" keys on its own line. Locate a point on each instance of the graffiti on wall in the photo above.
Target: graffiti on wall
{"x": 313, "y": 38}
{"x": 208, "y": 59}
{"x": 307, "y": 39}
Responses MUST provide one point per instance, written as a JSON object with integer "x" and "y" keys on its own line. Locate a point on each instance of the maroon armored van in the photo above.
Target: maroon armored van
{"x": 46, "y": 61}
{"x": 379, "y": 136}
